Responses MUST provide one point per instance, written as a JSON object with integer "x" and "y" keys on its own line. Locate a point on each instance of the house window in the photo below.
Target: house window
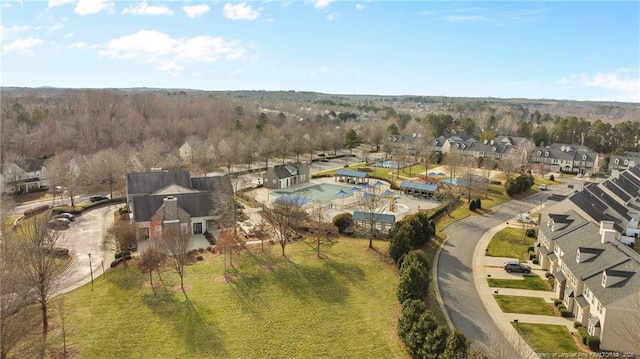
{"x": 584, "y": 157}
{"x": 599, "y": 307}
{"x": 197, "y": 228}
{"x": 604, "y": 279}
{"x": 587, "y": 293}
{"x": 617, "y": 161}
{"x": 539, "y": 153}
{"x": 626, "y": 162}
{"x": 546, "y": 153}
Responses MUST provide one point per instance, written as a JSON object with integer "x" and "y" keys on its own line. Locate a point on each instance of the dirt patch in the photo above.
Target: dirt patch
{"x": 156, "y": 284}
{"x": 225, "y": 279}
{"x": 58, "y": 353}
{"x": 269, "y": 268}
{"x": 187, "y": 288}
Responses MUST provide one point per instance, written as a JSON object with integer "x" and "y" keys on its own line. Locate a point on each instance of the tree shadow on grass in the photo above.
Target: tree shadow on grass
{"x": 127, "y": 277}
{"x": 201, "y": 338}
{"x": 306, "y": 282}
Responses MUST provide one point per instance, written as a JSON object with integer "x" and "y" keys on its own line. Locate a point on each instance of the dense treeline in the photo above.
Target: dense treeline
{"x": 39, "y": 123}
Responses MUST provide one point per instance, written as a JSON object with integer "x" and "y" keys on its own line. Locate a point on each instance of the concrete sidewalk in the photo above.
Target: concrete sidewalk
{"x": 484, "y": 266}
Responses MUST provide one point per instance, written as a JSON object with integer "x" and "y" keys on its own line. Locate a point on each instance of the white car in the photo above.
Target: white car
{"x": 542, "y": 187}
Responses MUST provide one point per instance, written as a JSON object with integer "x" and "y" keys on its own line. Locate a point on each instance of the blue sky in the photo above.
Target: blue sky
{"x": 556, "y": 50}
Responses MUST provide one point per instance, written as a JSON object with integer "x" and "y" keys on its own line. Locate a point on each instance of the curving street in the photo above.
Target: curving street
{"x": 455, "y": 271}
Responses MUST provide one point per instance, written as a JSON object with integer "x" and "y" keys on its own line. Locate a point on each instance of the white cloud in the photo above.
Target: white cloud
{"x": 241, "y": 11}
{"x": 322, "y": 70}
{"x": 90, "y": 7}
{"x": 196, "y": 10}
{"x": 144, "y": 9}
{"x": 6, "y": 5}
{"x": 625, "y": 82}
{"x": 15, "y": 29}
{"x": 56, "y": 3}
{"x": 172, "y": 55}
{"x": 23, "y": 46}
{"x": 55, "y": 28}
{"x": 331, "y": 17}
{"x": 321, "y": 4}
{"x": 69, "y": 35}
{"x": 360, "y": 7}
{"x": 78, "y": 45}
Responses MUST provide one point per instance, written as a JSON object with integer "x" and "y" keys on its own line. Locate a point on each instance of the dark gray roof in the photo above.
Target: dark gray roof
{"x": 377, "y": 217}
{"x": 351, "y": 173}
{"x": 613, "y": 187}
{"x": 629, "y": 286}
{"x": 635, "y": 170}
{"x": 196, "y": 204}
{"x": 626, "y": 185}
{"x": 631, "y": 178}
{"x": 607, "y": 200}
{"x": 287, "y": 170}
{"x": 429, "y": 187}
{"x": 582, "y": 302}
{"x": 213, "y": 184}
{"x": 593, "y": 207}
{"x": 149, "y": 182}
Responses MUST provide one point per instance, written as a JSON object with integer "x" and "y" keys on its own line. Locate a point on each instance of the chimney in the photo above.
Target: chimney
{"x": 170, "y": 209}
{"x": 607, "y": 233}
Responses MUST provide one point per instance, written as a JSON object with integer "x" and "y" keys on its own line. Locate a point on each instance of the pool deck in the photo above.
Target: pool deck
{"x": 405, "y": 205}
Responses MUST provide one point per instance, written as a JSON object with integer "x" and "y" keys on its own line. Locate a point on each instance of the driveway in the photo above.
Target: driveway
{"x": 455, "y": 278}
{"x": 86, "y": 236}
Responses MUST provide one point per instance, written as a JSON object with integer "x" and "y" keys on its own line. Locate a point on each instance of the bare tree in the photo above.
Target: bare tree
{"x": 324, "y": 233}
{"x": 64, "y": 172}
{"x": 371, "y": 204}
{"x": 453, "y": 161}
{"x": 38, "y": 265}
{"x": 124, "y": 234}
{"x": 176, "y": 242}
{"x": 150, "y": 261}
{"x": 106, "y": 169}
{"x": 288, "y": 212}
{"x": 63, "y": 317}
{"x": 16, "y": 316}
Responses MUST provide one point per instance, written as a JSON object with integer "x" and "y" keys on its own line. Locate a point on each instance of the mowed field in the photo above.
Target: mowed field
{"x": 341, "y": 306}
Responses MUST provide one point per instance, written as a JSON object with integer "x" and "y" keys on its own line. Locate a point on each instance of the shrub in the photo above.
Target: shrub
{"x": 577, "y": 324}
{"x": 557, "y": 302}
{"x": 478, "y": 203}
{"x": 535, "y": 261}
{"x": 34, "y": 211}
{"x": 582, "y": 332}
{"x": 548, "y": 275}
{"x": 565, "y": 313}
{"x": 530, "y": 248}
{"x": 343, "y": 221}
{"x": 116, "y": 262}
{"x": 472, "y": 206}
{"x": 552, "y": 178}
{"x": 199, "y": 258}
{"x": 593, "y": 343}
{"x": 562, "y": 307}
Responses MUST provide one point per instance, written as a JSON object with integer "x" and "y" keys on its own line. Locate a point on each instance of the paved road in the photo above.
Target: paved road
{"x": 455, "y": 272}
{"x": 84, "y": 236}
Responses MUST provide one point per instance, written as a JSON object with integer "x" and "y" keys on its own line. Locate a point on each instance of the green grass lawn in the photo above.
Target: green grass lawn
{"x": 343, "y": 306}
{"x": 524, "y": 305}
{"x": 509, "y": 243}
{"x": 532, "y": 282}
{"x": 545, "y": 338}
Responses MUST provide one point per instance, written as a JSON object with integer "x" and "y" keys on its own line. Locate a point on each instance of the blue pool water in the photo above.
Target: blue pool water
{"x": 323, "y": 192}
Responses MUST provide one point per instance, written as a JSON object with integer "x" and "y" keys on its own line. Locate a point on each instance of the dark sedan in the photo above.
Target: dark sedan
{"x": 517, "y": 267}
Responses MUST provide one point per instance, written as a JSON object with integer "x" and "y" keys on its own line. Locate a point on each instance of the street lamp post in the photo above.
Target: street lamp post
{"x": 91, "y": 270}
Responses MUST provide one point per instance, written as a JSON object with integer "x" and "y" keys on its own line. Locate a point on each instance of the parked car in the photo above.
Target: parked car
{"x": 58, "y": 223}
{"x": 542, "y": 187}
{"x": 516, "y": 267}
{"x": 525, "y": 218}
{"x": 98, "y": 198}
{"x": 66, "y": 215}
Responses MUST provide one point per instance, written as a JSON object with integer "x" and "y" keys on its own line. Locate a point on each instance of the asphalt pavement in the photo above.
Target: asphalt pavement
{"x": 84, "y": 239}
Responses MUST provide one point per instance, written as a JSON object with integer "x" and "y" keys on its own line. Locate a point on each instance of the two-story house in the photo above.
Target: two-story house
{"x": 24, "y": 175}
{"x": 565, "y": 158}
{"x": 622, "y": 162}
{"x": 596, "y": 276}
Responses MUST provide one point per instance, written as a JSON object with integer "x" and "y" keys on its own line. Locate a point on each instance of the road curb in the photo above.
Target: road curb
{"x": 435, "y": 283}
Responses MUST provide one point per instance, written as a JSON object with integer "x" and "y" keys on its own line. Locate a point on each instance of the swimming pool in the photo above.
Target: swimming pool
{"x": 392, "y": 164}
{"x": 322, "y": 192}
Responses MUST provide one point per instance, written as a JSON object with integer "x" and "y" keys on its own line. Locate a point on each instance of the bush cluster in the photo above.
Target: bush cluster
{"x": 411, "y": 232}
{"x": 519, "y": 184}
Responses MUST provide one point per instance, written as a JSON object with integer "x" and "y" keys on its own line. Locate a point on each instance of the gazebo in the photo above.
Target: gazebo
{"x": 353, "y": 177}
{"x": 419, "y": 189}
